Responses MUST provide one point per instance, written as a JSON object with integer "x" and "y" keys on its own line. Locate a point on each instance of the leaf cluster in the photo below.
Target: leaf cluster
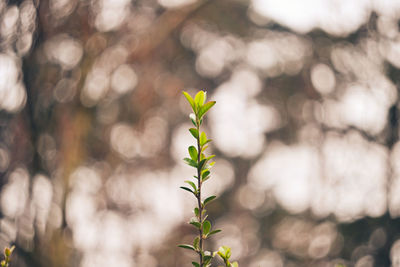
{"x": 225, "y": 253}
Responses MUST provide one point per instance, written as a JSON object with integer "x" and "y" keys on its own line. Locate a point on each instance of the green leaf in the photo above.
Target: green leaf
{"x": 214, "y": 232}
{"x": 206, "y": 142}
{"x": 195, "y": 264}
{"x": 209, "y": 199}
{"x": 205, "y": 174}
{"x": 196, "y": 211}
{"x": 192, "y": 185}
{"x": 187, "y": 246}
{"x": 203, "y": 138}
{"x": 193, "y": 153}
{"x": 235, "y": 264}
{"x": 196, "y": 243}
{"x": 196, "y": 224}
{"x": 202, "y": 163}
{"x": 207, "y": 259}
{"x": 192, "y": 117}
{"x": 187, "y": 189}
{"x": 210, "y": 157}
{"x": 190, "y": 100}
{"x": 199, "y": 99}
{"x": 203, "y": 110}
{"x": 224, "y": 252}
{"x": 194, "y": 132}
{"x": 190, "y": 162}
{"x": 206, "y": 227}
{"x": 205, "y": 178}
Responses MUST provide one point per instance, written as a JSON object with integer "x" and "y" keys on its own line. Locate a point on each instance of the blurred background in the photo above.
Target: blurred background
{"x": 93, "y": 129}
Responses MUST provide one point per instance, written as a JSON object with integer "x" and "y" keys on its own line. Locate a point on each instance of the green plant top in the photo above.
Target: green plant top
{"x": 7, "y": 257}
{"x": 202, "y": 163}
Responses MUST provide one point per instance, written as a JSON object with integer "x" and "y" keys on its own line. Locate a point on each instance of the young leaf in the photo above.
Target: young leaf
{"x": 187, "y": 246}
{"x": 214, "y": 232}
{"x": 206, "y": 227}
{"x": 210, "y": 157}
{"x": 207, "y": 259}
{"x": 224, "y": 252}
{"x": 194, "y": 132}
{"x": 203, "y": 138}
{"x": 193, "y": 153}
{"x": 190, "y": 162}
{"x": 192, "y": 117}
{"x": 202, "y": 163}
{"x": 196, "y": 243}
{"x": 187, "y": 189}
{"x": 209, "y": 199}
{"x": 194, "y": 221}
{"x": 190, "y": 100}
{"x": 196, "y": 224}
{"x": 235, "y": 264}
{"x": 203, "y": 110}
{"x": 196, "y": 211}
{"x": 199, "y": 99}
{"x": 195, "y": 264}
{"x": 192, "y": 185}
{"x": 206, "y": 142}
{"x": 205, "y": 178}
{"x": 205, "y": 174}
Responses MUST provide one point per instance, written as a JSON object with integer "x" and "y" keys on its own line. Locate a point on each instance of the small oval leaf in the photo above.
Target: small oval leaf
{"x": 193, "y": 185}
{"x": 194, "y": 132}
{"x": 196, "y": 243}
{"x": 192, "y": 117}
{"x": 187, "y": 189}
{"x": 214, "y": 232}
{"x": 206, "y": 227}
{"x": 193, "y": 153}
{"x": 203, "y": 110}
{"x": 203, "y": 138}
{"x": 190, "y": 162}
{"x": 205, "y": 174}
{"x": 190, "y": 100}
{"x": 196, "y": 224}
{"x": 199, "y": 99}
{"x": 187, "y": 246}
{"x": 209, "y": 199}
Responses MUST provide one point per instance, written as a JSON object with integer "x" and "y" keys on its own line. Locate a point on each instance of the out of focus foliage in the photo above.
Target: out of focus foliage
{"x": 93, "y": 129}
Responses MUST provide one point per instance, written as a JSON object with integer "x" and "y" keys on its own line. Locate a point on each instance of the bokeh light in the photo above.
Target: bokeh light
{"x": 93, "y": 129}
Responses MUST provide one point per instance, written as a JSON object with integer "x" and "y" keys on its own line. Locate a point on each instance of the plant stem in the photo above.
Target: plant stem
{"x": 199, "y": 194}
